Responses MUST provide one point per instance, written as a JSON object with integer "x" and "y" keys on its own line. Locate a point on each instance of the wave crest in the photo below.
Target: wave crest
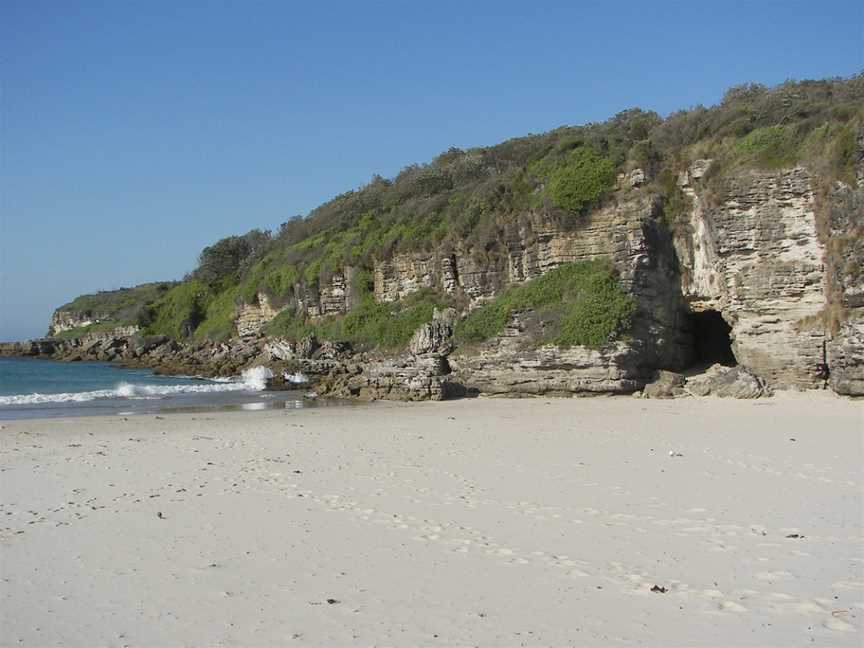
{"x": 253, "y": 379}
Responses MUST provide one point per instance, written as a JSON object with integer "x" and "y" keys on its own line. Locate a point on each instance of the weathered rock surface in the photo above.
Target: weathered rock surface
{"x": 66, "y": 321}
{"x": 667, "y": 384}
{"x": 844, "y": 310}
{"x": 726, "y": 382}
{"x": 756, "y": 257}
{"x": 504, "y": 371}
{"x": 511, "y": 366}
{"x": 251, "y": 318}
{"x": 433, "y": 337}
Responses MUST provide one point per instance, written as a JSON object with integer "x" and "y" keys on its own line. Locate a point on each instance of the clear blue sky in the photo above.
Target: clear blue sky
{"x": 136, "y": 133}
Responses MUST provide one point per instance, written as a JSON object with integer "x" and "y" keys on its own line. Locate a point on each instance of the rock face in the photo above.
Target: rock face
{"x": 332, "y": 298}
{"x": 507, "y": 371}
{"x": 251, "y": 318}
{"x": 844, "y": 316}
{"x": 756, "y": 258}
{"x": 780, "y": 259}
{"x": 508, "y": 366}
{"x": 67, "y": 321}
{"x": 629, "y": 234}
{"x": 404, "y": 274}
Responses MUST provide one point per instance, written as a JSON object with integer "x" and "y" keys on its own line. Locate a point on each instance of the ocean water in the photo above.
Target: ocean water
{"x": 36, "y": 388}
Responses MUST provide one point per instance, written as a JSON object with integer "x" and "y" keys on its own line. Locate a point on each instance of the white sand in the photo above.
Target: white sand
{"x": 483, "y": 522}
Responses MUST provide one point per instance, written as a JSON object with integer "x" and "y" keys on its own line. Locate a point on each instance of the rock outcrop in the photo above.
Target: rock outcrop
{"x": 717, "y": 380}
{"x": 756, "y": 257}
{"x": 667, "y": 384}
{"x": 775, "y": 255}
{"x": 67, "y": 321}
{"x": 726, "y": 382}
{"x": 251, "y": 318}
{"x": 510, "y": 365}
{"x": 843, "y": 314}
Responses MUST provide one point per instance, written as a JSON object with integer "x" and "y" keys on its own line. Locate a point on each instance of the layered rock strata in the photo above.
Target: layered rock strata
{"x": 756, "y": 257}
{"x": 777, "y": 254}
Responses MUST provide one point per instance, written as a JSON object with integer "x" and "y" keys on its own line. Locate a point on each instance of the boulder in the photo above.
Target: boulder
{"x": 726, "y": 382}
{"x": 667, "y": 384}
{"x": 307, "y": 346}
{"x": 280, "y": 349}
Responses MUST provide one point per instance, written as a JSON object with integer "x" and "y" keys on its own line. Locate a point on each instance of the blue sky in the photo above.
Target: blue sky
{"x": 132, "y": 134}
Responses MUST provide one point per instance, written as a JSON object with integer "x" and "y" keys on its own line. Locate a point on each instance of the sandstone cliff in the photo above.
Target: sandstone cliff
{"x": 737, "y": 232}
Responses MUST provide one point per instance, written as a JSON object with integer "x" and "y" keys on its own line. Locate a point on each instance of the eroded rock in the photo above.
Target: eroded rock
{"x": 726, "y": 382}
{"x": 667, "y": 384}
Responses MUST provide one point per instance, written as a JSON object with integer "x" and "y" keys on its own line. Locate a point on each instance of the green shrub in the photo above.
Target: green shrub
{"x": 838, "y": 149}
{"x": 180, "y": 311}
{"x": 579, "y": 179}
{"x": 583, "y": 301}
{"x": 772, "y": 147}
{"x": 230, "y": 256}
{"x": 369, "y": 325}
{"x": 677, "y": 205}
{"x": 272, "y": 275}
{"x": 219, "y": 316}
{"x": 281, "y": 280}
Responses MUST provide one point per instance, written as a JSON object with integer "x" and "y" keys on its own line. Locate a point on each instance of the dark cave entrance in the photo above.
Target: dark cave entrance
{"x": 711, "y": 341}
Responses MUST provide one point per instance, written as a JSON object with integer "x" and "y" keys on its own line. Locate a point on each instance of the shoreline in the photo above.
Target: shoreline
{"x": 475, "y": 521}
{"x": 105, "y": 389}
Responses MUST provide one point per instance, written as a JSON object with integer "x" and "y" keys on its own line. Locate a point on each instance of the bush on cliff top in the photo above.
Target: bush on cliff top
{"x": 578, "y": 180}
{"x": 122, "y": 306}
{"x": 581, "y": 304}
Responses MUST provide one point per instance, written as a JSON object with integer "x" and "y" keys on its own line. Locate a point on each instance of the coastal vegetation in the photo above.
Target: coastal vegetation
{"x": 124, "y": 306}
{"x": 576, "y": 304}
{"x": 475, "y": 199}
{"x": 369, "y": 325}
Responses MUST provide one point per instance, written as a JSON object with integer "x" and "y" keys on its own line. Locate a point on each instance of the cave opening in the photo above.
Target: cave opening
{"x": 711, "y": 341}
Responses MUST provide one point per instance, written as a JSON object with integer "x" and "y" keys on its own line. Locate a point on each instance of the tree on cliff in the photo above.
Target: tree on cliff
{"x": 230, "y": 256}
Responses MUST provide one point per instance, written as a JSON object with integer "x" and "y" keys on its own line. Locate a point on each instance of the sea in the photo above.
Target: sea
{"x": 38, "y": 388}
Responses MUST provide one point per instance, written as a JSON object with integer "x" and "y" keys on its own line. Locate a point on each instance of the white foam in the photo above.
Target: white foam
{"x": 253, "y": 379}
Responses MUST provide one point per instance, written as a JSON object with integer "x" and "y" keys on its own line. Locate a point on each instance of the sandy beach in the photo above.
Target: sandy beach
{"x": 603, "y": 521}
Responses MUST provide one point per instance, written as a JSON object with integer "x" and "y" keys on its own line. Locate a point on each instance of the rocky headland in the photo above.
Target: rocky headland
{"x": 724, "y": 259}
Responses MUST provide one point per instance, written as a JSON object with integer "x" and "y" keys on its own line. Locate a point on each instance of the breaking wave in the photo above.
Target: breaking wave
{"x": 254, "y": 379}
